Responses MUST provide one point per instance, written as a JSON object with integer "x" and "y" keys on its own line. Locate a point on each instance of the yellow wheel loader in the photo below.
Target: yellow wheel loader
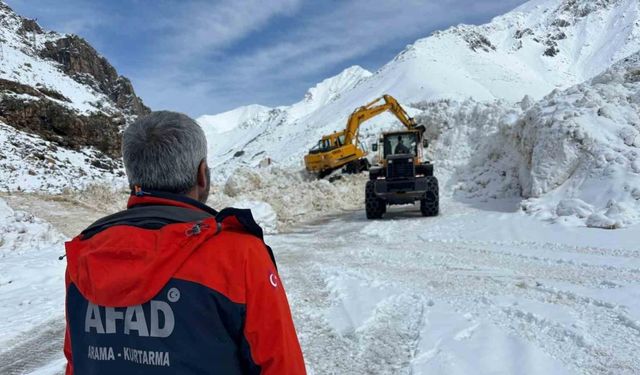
{"x": 342, "y": 149}
{"x": 401, "y": 177}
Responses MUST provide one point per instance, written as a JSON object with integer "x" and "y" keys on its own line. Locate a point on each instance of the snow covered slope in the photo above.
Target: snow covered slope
{"x": 249, "y": 135}
{"x": 62, "y": 107}
{"x": 29, "y": 163}
{"x": 538, "y": 47}
{"x": 224, "y": 122}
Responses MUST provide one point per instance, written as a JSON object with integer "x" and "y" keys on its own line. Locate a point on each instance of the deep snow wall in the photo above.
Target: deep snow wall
{"x": 573, "y": 156}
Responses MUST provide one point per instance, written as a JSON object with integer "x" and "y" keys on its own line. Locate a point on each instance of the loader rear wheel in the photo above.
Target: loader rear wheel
{"x": 374, "y": 206}
{"x": 430, "y": 204}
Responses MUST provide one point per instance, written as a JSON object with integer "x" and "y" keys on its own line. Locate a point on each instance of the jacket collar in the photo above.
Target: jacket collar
{"x": 147, "y": 198}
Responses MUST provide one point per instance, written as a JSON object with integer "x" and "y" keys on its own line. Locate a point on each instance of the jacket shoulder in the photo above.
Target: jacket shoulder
{"x": 220, "y": 263}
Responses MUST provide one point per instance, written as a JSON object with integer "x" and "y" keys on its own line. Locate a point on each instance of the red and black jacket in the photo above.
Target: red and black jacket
{"x": 170, "y": 286}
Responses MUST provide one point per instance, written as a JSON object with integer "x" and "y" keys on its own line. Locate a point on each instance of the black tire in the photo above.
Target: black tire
{"x": 374, "y": 206}
{"x": 430, "y": 204}
{"x": 323, "y": 174}
{"x": 365, "y": 165}
{"x": 356, "y": 166}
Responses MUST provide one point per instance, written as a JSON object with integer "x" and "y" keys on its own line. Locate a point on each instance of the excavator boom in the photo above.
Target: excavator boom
{"x": 373, "y": 109}
{"x": 341, "y": 149}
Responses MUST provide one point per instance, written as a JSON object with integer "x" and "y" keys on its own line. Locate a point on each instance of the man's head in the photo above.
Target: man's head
{"x": 400, "y": 139}
{"x": 167, "y": 151}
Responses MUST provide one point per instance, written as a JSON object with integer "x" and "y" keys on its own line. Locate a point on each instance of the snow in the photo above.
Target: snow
{"x": 572, "y": 155}
{"x": 224, "y": 122}
{"x": 259, "y": 135}
{"x": 31, "y": 276}
{"x": 283, "y": 198}
{"x": 262, "y": 212}
{"x": 476, "y": 290}
{"x": 29, "y": 163}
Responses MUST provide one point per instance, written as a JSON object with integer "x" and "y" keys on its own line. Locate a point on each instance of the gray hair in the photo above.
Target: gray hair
{"x": 162, "y": 151}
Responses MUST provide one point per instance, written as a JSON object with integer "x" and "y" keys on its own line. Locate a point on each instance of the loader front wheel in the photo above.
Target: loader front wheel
{"x": 374, "y": 206}
{"x": 430, "y": 203}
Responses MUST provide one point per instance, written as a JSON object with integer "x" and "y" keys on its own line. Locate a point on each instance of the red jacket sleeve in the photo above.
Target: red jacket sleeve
{"x": 269, "y": 327}
{"x": 67, "y": 337}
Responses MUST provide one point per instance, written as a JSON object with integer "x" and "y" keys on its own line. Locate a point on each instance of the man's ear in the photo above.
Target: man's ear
{"x": 202, "y": 174}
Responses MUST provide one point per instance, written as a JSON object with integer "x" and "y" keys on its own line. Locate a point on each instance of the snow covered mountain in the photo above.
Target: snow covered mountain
{"x": 532, "y": 50}
{"x": 62, "y": 107}
{"x": 237, "y": 136}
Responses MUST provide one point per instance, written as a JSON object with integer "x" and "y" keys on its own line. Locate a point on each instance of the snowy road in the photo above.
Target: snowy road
{"x": 478, "y": 290}
{"x": 471, "y": 291}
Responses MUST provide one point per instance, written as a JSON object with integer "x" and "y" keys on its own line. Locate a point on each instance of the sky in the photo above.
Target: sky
{"x": 205, "y": 57}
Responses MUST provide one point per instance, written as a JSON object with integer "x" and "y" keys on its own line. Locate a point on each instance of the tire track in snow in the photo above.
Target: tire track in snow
{"x": 33, "y": 349}
{"x": 469, "y": 276}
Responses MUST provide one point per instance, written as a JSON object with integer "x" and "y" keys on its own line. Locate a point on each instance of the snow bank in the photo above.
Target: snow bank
{"x": 20, "y": 232}
{"x": 464, "y": 136}
{"x": 583, "y": 144}
{"x": 31, "y": 276}
{"x": 292, "y": 195}
{"x": 574, "y": 156}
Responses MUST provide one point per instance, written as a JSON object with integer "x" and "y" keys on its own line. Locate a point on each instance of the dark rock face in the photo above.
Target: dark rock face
{"x": 54, "y": 122}
{"x": 83, "y": 63}
{"x": 477, "y": 41}
{"x": 29, "y": 26}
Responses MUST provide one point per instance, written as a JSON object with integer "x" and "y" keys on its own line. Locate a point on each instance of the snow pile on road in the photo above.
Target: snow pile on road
{"x": 29, "y": 163}
{"x": 292, "y": 196}
{"x": 465, "y": 135}
{"x": 574, "y": 156}
{"x": 21, "y": 232}
{"x": 31, "y": 276}
{"x": 583, "y": 150}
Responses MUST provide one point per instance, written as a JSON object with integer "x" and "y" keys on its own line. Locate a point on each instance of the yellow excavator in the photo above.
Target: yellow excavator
{"x": 342, "y": 149}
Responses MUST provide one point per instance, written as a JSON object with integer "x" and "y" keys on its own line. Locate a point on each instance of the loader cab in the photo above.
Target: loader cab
{"x": 392, "y": 144}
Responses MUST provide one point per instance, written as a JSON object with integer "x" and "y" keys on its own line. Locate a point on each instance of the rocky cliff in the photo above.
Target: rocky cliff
{"x": 60, "y": 88}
